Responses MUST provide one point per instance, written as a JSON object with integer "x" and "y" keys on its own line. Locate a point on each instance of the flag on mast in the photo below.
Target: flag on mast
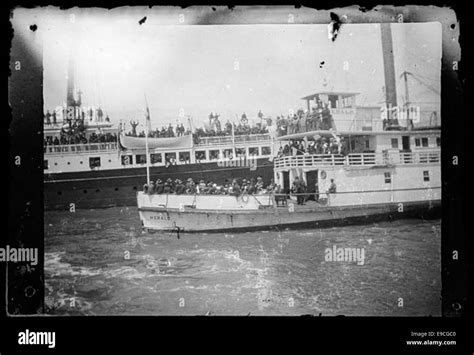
{"x": 148, "y": 122}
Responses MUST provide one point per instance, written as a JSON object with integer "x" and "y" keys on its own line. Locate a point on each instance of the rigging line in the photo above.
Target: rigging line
{"x": 415, "y": 77}
{"x": 426, "y": 78}
{"x": 427, "y": 85}
{"x": 413, "y": 56}
{"x": 418, "y": 75}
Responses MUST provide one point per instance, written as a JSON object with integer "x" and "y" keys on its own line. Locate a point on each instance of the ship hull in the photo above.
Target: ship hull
{"x": 162, "y": 219}
{"x": 118, "y": 187}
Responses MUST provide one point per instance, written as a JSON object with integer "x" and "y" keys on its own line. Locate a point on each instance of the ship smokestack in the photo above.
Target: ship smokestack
{"x": 389, "y": 66}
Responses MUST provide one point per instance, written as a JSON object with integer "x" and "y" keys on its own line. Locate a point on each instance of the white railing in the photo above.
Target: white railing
{"x": 80, "y": 148}
{"x": 361, "y": 159}
{"x": 227, "y": 140}
{"x": 341, "y": 124}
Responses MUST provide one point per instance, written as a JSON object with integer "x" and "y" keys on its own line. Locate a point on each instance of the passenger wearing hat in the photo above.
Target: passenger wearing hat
{"x": 272, "y": 186}
{"x": 145, "y": 188}
{"x": 168, "y": 186}
{"x": 212, "y": 188}
{"x": 259, "y": 184}
{"x": 251, "y": 187}
{"x": 179, "y": 187}
{"x": 159, "y": 186}
{"x": 151, "y": 188}
{"x": 236, "y": 191}
{"x": 299, "y": 188}
{"x": 225, "y": 189}
{"x": 201, "y": 187}
{"x": 245, "y": 186}
{"x": 190, "y": 186}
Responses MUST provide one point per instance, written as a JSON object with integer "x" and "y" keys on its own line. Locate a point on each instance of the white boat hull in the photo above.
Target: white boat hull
{"x": 194, "y": 219}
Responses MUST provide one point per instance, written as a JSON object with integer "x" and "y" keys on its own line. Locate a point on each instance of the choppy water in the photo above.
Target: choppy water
{"x": 97, "y": 262}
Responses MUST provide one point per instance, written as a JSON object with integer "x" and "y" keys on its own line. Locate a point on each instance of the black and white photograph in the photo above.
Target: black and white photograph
{"x": 217, "y": 169}
{"x": 194, "y": 167}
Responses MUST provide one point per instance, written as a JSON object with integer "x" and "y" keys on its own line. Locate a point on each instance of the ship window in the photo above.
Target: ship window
{"x": 94, "y": 162}
{"x": 417, "y": 142}
{"x": 68, "y": 163}
{"x": 228, "y": 153}
{"x": 170, "y": 158}
{"x": 394, "y": 143}
{"x": 213, "y": 154}
{"x": 134, "y": 187}
{"x": 55, "y": 164}
{"x": 140, "y": 158}
{"x": 438, "y": 141}
{"x": 85, "y": 191}
{"x": 424, "y": 142}
{"x": 127, "y": 160}
{"x": 426, "y": 175}
{"x": 45, "y": 165}
{"x": 200, "y": 155}
{"x": 388, "y": 178}
{"x": 266, "y": 151}
{"x": 367, "y": 144}
{"x": 116, "y": 189}
{"x": 81, "y": 162}
{"x": 240, "y": 152}
{"x": 253, "y": 151}
{"x": 184, "y": 157}
{"x": 156, "y": 158}
{"x": 110, "y": 161}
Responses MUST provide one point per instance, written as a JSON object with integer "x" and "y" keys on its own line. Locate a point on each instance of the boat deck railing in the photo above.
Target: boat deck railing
{"x": 81, "y": 148}
{"x": 357, "y": 125}
{"x": 358, "y": 159}
{"x": 226, "y": 140}
{"x": 348, "y": 198}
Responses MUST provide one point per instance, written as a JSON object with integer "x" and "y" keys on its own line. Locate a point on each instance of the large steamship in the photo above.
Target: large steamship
{"x": 391, "y": 155}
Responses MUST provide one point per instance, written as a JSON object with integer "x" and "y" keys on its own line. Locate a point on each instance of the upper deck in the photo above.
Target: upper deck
{"x": 237, "y": 140}
{"x": 338, "y": 111}
{"x": 321, "y": 148}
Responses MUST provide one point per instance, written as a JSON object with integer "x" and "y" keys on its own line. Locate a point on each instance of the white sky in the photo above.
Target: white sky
{"x": 192, "y": 68}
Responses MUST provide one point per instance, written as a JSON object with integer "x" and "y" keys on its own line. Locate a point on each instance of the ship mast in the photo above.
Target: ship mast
{"x": 407, "y": 98}
{"x": 147, "y": 159}
{"x": 71, "y": 86}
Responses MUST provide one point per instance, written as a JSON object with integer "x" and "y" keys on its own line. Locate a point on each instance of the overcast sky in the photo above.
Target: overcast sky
{"x": 224, "y": 69}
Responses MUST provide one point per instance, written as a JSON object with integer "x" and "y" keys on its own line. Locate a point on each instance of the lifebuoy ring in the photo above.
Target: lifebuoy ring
{"x": 323, "y": 174}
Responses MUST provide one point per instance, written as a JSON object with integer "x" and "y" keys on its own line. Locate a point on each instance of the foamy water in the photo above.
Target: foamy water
{"x": 99, "y": 262}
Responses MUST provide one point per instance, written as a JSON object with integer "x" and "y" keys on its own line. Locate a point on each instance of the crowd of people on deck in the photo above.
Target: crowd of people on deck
{"x": 76, "y": 138}
{"x": 303, "y": 120}
{"x": 235, "y": 188}
{"x": 69, "y": 114}
{"x": 319, "y": 118}
{"x": 242, "y": 127}
{"x": 300, "y": 189}
{"x": 73, "y": 128}
{"x": 164, "y": 132}
{"x": 214, "y": 129}
{"x": 321, "y": 145}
